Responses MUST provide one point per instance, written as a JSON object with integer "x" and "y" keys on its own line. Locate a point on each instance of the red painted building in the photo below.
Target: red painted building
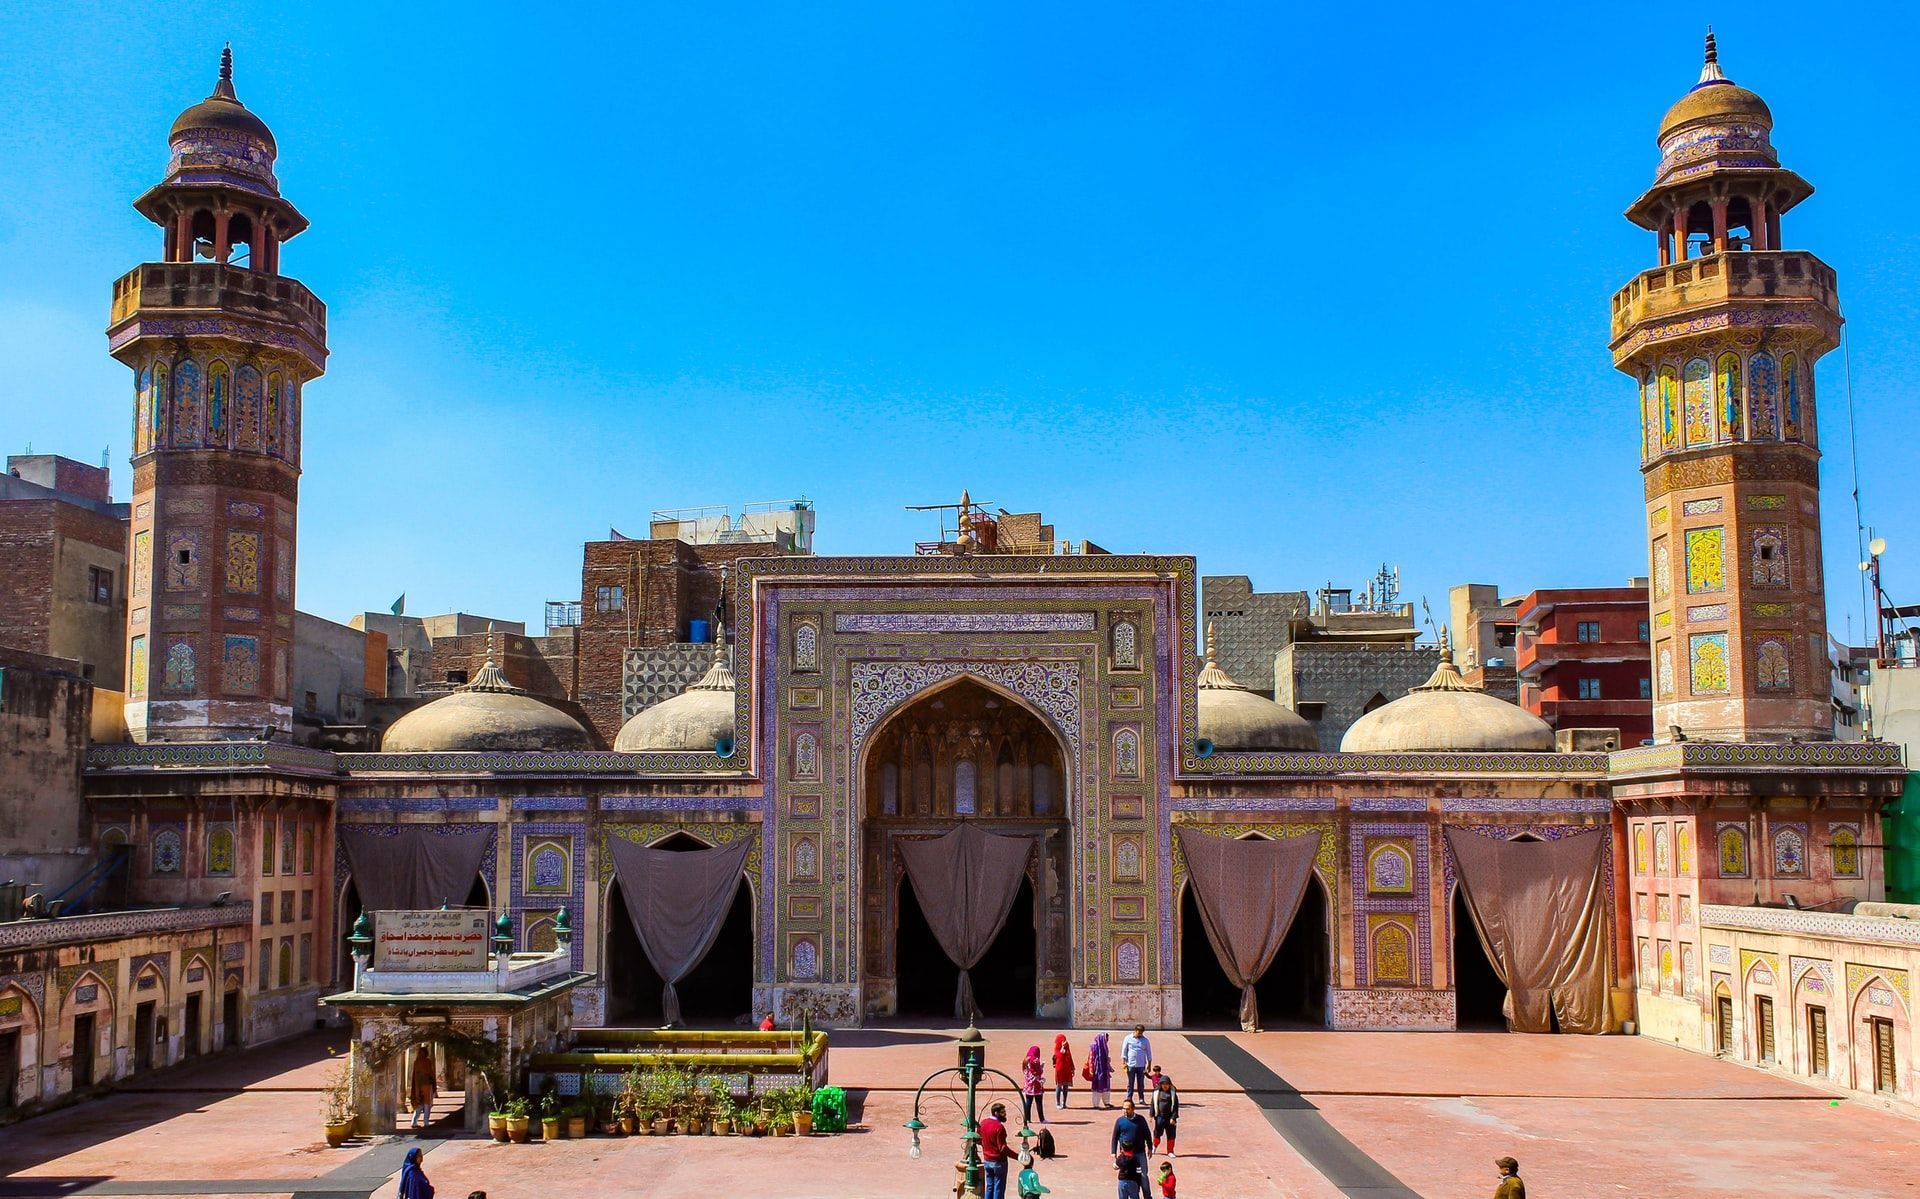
{"x": 1584, "y": 660}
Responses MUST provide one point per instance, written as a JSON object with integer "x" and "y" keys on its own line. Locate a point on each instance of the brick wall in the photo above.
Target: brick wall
{"x": 26, "y": 573}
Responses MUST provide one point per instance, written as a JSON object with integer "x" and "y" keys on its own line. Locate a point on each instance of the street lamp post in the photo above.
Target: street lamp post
{"x": 973, "y": 1066}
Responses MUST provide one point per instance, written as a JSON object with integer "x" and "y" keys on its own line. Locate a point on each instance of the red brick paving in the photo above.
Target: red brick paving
{"x": 1586, "y": 1116}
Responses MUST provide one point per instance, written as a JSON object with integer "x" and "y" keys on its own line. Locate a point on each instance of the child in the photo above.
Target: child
{"x": 1153, "y": 1078}
{"x": 1166, "y": 1180}
{"x": 1165, "y": 1110}
{"x": 1030, "y": 1184}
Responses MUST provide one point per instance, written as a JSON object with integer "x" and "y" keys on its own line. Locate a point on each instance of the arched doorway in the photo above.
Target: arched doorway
{"x": 718, "y": 993}
{"x": 1292, "y": 992}
{"x": 965, "y": 751}
{"x": 1478, "y": 993}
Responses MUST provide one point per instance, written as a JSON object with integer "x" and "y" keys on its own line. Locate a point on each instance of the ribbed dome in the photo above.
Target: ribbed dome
{"x": 223, "y": 112}
{"x": 697, "y": 720}
{"x": 1445, "y": 714}
{"x": 489, "y": 714}
{"x": 1234, "y": 718}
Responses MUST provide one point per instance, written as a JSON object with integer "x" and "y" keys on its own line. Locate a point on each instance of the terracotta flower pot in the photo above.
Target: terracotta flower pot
{"x": 550, "y": 1128}
{"x": 803, "y": 1124}
{"x": 517, "y": 1129}
{"x": 627, "y": 1125}
{"x": 662, "y": 1127}
{"x": 723, "y": 1128}
{"x": 337, "y": 1134}
{"x": 497, "y": 1127}
{"x": 576, "y": 1127}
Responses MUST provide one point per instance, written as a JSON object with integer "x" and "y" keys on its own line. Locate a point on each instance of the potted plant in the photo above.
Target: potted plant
{"x": 577, "y": 1113}
{"x": 722, "y": 1107}
{"x": 336, "y": 1103}
{"x": 610, "y": 1118}
{"x": 519, "y": 1110}
{"x": 550, "y": 1115}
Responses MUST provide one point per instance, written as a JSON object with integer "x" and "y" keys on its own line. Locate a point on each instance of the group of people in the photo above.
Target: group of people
{"x": 1134, "y": 1140}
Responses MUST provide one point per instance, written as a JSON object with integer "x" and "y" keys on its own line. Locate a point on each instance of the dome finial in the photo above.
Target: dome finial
{"x": 1212, "y": 657}
{"x": 224, "y": 88}
{"x": 1446, "y": 642}
{"x": 1710, "y": 72}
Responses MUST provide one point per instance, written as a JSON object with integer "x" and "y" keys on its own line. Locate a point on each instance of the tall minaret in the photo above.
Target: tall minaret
{"x": 1722, "y": 338}
{"x": 221, "y": 345}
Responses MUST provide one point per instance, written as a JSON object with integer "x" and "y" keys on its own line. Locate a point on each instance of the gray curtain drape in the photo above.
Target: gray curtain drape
{"x": 1248, "y": 893}
{"x": 965, "y": 881}
{"x": 413, "y": 866}
{"x": 1540, "y": 910}
{"x": 678, "y": 902}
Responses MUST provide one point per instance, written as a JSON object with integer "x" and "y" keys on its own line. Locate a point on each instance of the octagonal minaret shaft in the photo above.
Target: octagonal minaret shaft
{"x": 221, "y": 345}
{"x": 1722, "y": 337}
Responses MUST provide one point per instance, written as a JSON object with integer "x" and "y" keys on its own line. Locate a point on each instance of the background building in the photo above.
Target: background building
{"x": 63, "y": 540}
{"x": 1584, "y": 661}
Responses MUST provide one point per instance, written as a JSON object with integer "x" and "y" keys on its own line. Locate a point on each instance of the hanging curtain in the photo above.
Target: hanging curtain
{"x": 1248, "y": 893}
{"x": 410, "y": 867}
{"x": 1540, "y": 910}
{"x": 678, "y": 903}
{"x": 965, "y": 881}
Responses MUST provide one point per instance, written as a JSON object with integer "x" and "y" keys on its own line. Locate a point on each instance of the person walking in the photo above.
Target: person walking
{"x": 1129, "y": 1148}
{"x": 1130, "y": 1132}
{"x": 1169, "y": 1185}
{"x": 1166, "y": 1114}
{"x": 413, "y": 1179}
{"x": 1099, "y": 1071}
{"x": 1033, "y": 1087}
{"x": 1136, "y": 1054}
{"x": 1510, "y": 1185}
{"x": 421, "y": 1091}
{"x": 994, "y": 1152}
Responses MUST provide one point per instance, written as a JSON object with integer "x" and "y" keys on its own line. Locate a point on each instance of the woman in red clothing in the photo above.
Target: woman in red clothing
{"x": 1062, "y": 1071}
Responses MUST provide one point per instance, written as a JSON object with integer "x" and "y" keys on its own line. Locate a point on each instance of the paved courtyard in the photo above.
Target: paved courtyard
{"x": 1310, "y": 1114}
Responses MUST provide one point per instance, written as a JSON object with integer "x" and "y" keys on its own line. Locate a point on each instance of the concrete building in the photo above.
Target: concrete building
{"x": 1484, "y": 637}
{"x": 1584, "y": 661}
{"x": 64, "y": 542}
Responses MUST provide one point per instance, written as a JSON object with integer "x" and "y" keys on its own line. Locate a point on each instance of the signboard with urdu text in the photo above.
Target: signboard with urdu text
{"x": 430, "y": 940}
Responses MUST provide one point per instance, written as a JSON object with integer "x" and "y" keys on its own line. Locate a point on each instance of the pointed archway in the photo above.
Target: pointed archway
{"x": 717, "y": 993}
{"x": 1293, "y": 991}
{"x": 1478, "y": 994}
{"x": 965, "y": 751}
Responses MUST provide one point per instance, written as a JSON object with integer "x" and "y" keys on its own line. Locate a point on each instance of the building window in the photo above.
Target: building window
{"x": 99, "y": 585}
{"x": 1643, "y": 632}
{"x": 1646, "y": 688}
{"x": 1589, "y": 688}
{"x": 610, "y": 599}
{"x": 313, "y": 702}
{"x": 1589, "y": 630}
{"x": 457, "y": 677}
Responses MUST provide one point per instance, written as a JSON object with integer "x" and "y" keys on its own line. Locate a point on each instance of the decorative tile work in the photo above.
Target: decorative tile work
{"x": 1683, "y": 846}
{"x": 549, "y": 803}
{"x": 1662, "y": 855}
{"x": 1390, "y": 951}
{"x": 1662, "y": 569}
{"x": 806, "y": 645}
{"x": 1705, "y": 507}
{"x": 1697, "y": 402}
{"x": 1767, "y": 556}
{"x": 1819, "y": 967}
{"x": 1772, "y": 664}
{"x": 1689, "y": 970}
{"x": 1845, "y": 847}
{"x": 1768, "y": 503}
{"x": 1664, "y": 675}
{"x": 1790, "y": 850}
{"x": 1124, "y": 697}
{"x": 1255, "y": 804}
{"x": 1125, "y": 647}
{"x": 880, "y": 687}
{"x": 651, "y": 675}
{"x": 1720, "y": 955}
{"x": 240, "y": 664}
{"x": 1707, "y": 612}
{"x": 526, "y": 892}
{"x": 1389, "y": 866}
{"x": 1732, "y": 840}
{"x": 167, "y": 854}
{"x": 963, "y": 622}
{"x": 183, "y": 560}
{"x": 1410, "y": 906}
{"x": 137, "y": 668}
{"x": 220, "y": 847}
{"x": 1707, "y": 663}
{"x": 179, "y": 672}
{"x": 282, "y": 568}
{"x": 366, "y": 805}
{"x": 1773, "y": 609}
{"x": 1706, "y": 560}
{"x": 692, "y": 803}
{"x": 1126, "y": 753}
{"x": 1859, "y": 976}
{"x": 1371, "y": 803}
{"x": 243, "y": 563}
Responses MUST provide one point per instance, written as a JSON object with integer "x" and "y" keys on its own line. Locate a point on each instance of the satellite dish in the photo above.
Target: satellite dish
{"x": 1877, "y": 546}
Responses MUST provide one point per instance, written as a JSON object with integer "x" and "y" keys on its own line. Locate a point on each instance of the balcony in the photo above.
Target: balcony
{"x": 1536, "y": 657}
{"x": 1717, "y": 278}
{"x": 185, "y": 289}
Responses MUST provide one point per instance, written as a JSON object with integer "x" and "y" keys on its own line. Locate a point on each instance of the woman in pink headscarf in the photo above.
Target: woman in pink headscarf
{"x": 1033, "y": 1087}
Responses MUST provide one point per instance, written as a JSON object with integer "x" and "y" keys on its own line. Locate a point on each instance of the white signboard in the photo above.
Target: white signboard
{"x": 433, "y": 940}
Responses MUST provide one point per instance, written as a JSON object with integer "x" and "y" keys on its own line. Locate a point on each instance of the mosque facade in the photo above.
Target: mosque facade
{"x": 856, "y": 707}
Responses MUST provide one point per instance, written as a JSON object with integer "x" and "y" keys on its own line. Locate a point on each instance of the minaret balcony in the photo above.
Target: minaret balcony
{"x": 186, "y": 299}
{"x": 1699, "y": 285}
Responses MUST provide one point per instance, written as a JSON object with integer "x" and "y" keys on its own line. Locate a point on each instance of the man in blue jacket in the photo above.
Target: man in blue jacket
{"x": 1136, "y": 1053}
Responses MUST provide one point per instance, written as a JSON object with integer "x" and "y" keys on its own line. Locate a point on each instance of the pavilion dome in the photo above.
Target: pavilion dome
{"x": 487, "y": 715}
{"x": 1234, "y": 718}
{"x": 1446, "y": 714}
{"x": 222, "y": 135}
{"x": 1717, "y": 121}
{"x": 698, "y": 720}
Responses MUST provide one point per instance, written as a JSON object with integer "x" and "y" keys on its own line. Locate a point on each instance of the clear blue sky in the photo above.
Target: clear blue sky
{"x": 1296, "y": 292}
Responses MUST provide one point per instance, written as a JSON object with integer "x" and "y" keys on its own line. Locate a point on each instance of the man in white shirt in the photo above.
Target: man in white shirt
{"x": 1136, "y": 1053}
